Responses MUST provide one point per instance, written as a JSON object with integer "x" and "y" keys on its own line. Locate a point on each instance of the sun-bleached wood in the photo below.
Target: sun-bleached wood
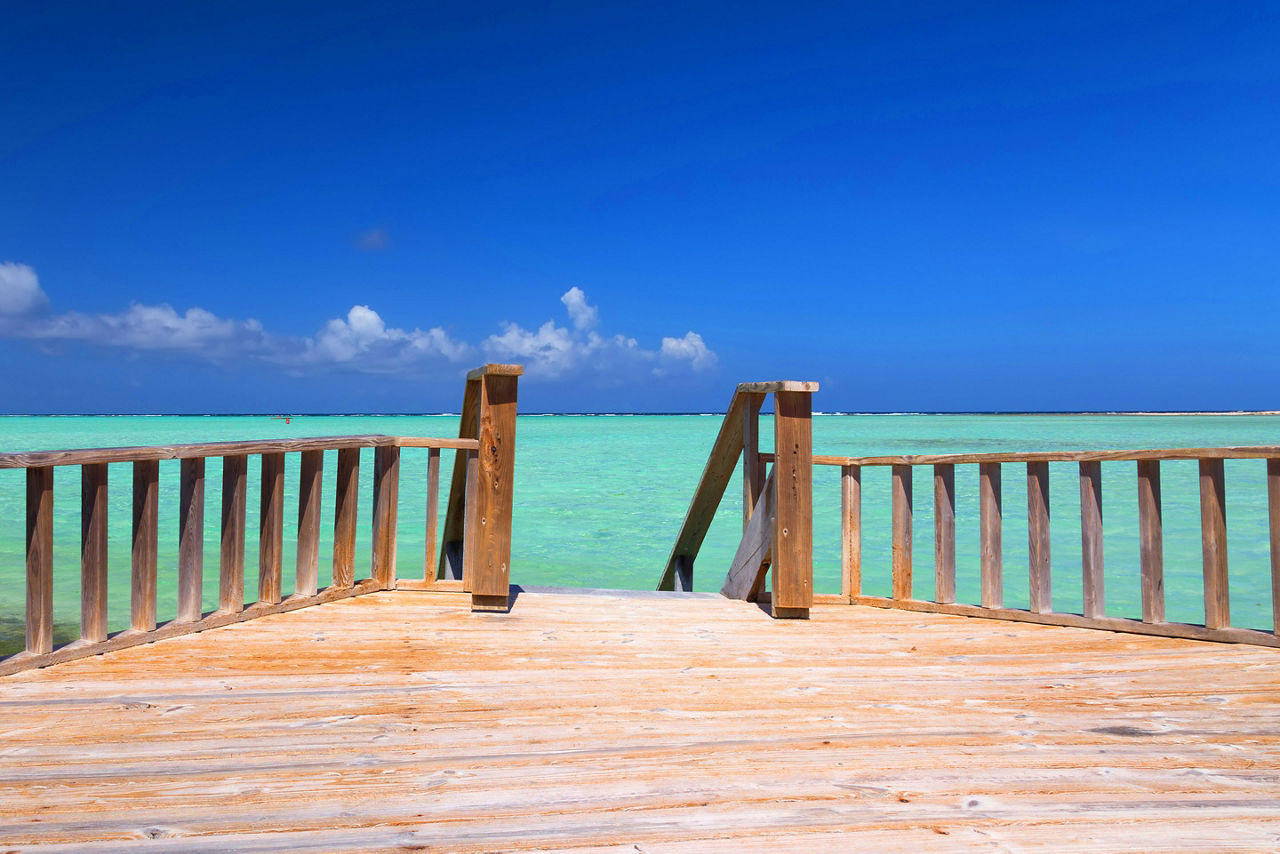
{"x": 465, "y": 555}
{"x": 851, "y": 530}
{"x": 944, "y": 533}
{"x": 1273, "y": 518}
{"x": 386, "y": 492}
{"x": 310, "y": 491}
{"x": 991, "y": 536}
{"x": 753, "y": 474}
{"x": 146, "y": 532}
{"x": 39, "y": 623}
{"x": 707, "y": 494}
{"x": 802, "y": 386}
{"x": 494, "y": 369}
{"x": 1213, "y": 539}
{"x": 791, "y": 571}
{"x": 1091, "y": 538}
{"x": 902, "y": 531}
{"x": 433, "y": 504}
{"x": 93, "y": 553}
{"x": 494, "y": 497}
{"x": 1151, "y": 541}
{"x": 1188, "y": 631}
{"x": 745, "y": 578}
{"x": 1039, "y": 564}
{"x": 271, "y": 528}
{"x": 346, "y": 505}
{"x": 85, "y": 456}
{"x": 191, "y": 539}
{"x": 231, "y": 554}
{"x": 652, "y": 733}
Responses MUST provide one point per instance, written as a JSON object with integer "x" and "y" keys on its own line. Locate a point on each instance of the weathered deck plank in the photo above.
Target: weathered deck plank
{"x": 651, "y": 722}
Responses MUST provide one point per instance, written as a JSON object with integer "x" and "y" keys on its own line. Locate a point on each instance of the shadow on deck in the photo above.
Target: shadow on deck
{"x": 649, "y": 721}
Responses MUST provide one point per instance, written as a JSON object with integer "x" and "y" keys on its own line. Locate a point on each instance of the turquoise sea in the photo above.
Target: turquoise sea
{"x": 599, "y": 499}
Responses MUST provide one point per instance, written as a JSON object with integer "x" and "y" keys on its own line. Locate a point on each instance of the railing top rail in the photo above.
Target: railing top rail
{"x": 1235, "y": 453}
{"x": 495, "y": 369}
{"x": 87, "y": 456}
{"x": 776, "y": 386}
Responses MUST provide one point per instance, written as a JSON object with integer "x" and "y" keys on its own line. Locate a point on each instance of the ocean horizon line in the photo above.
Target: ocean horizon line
{"x": 698, "y": 414}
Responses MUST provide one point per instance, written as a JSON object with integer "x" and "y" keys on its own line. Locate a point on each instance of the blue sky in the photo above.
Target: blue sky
{"x": 929, "y": 206}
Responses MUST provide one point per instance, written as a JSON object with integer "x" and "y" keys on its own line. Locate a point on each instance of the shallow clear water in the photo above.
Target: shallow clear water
{"x": 599, "y": 500}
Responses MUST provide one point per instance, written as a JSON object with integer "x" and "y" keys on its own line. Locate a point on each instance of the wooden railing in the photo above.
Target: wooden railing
{"x": 481, "y": 541}
{"x": 777, "y": 509}
{"x": 1217, "y": 625}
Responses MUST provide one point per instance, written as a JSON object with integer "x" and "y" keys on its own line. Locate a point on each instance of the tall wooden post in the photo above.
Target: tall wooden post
{"x": 489, "y": 543}
{"x": 792, "y": 567}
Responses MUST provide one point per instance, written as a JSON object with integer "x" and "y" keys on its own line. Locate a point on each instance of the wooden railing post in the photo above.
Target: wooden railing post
{"x": 386, "y": 499}
{"x": 490, "y": 537}
{"x": 345, "y": 504}
{"x": 752, "y": 469}
{"x": 307, "y": 561}
{"x": 191, "y": 540}
{"x": 40, "y": 559}
{"x": 146, "y": 531}
{"x": 903, "y": 516}
{"x": 93, "y": 552}
{"x": 792, "y": 567}
{"x": 271, "y": 528}
{"x": 231, "y": 554}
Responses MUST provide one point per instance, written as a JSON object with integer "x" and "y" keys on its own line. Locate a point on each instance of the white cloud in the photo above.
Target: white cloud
{"x": 690, "y": 349}
{"x": 360, "y": 341}
{"x": 584, "y": 316}
{"x": 20, "y": 291}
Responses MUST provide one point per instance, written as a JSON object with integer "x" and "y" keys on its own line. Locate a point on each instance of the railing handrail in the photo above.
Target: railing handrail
{"x": 145, "y": 453}
{"x": 1245, "y": 452}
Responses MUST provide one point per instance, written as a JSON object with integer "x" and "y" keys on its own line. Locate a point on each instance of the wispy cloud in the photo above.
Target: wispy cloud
{"x": 360, "y": 341}
{"x": 374, "y": 240}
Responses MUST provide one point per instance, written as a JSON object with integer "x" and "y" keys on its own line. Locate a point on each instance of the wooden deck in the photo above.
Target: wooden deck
{"x": 655, "y": 722}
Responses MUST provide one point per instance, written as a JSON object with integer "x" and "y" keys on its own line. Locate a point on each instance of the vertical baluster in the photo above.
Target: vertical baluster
{"x": 146, "y": 530}
{"x": 271, "y": 528}
{"x": 386, "y": 491}
{"x": 433, "y": 510}
{"x": 902, "y": 521}
{"x": 346, "y": 502}
{"x": 1273, "y": 513}
{"x": 231, "y": 554}
{"x": 992, "y": 546}
{"x": 1091, "y": 538}
{"x": 851, "y": 530}
{"x": 1213, "y": 539}
{"x": 40, "y": 559}
{"x": 753, "y": 473}
{"x": 93, "y": 552}
{"x": 1040, "y": 582}
{"x": 472, "y": 474}
{"x": 944, "y": 533}
{"x": 307, "y": 566}
{"x": 191, "y": 541}
{"x": 1151, "y": 541}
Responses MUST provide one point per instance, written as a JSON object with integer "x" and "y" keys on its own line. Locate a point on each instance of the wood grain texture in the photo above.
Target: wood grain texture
{"x": 39, "y": 619}
{"x": 386, "y": 512}
{"x": 93, "y": 553}
{"x": 1091, "y": 538}
{"x": 944, "y": 533}
{"x": 791, "y": 572}
{"x": 1213, "y": 540}
{"x": 991, "y": 536}
{"x": 451, "y": 551}
{"x": 707, "y": 494}
{"x": 85, "y": 456}
{"x": 902, "y": 521}
{"x": 146, "y": 533}
{"x": 1151, "y": 541}
{"x": 851, "y": 531}
{"x": 494, "y": 369}
{"x": 745, "y": 578}
{"x": 271, "y": 528}
{"x": 429, "y": 568}
{"x": 191, "y": 539}
{"x": 776, "y": 386}
{"x": 753, "y": 471}
{"x": 345, "y": 515}
{"x": 1273, "y": 518}
{"x": 494, "y": 492}
{"x": 1040, "y": 578}
{"x": 231, "y": 552}
{"x": 310, "y": 493}
{"x": 1234, "y": 453}
{"x": 406, "y": 722}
